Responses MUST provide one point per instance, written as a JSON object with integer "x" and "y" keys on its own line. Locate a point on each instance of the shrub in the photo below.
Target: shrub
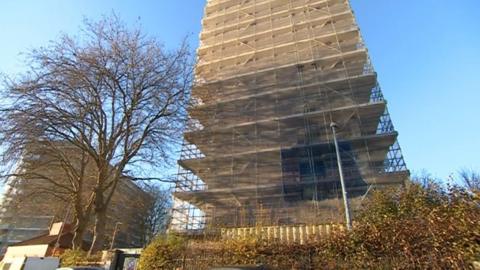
{"x": 416, "y": 228}
{"x": 420, "y": 227}
{"x": 162, "y": 253}
{"x": 78, "y": 257}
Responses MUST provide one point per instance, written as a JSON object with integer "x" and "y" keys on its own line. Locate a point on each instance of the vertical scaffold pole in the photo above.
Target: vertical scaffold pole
{"x": 348, "y": 219}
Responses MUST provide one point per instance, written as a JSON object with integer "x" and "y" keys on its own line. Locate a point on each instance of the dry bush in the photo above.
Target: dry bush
{"x": 415, "y": 228}
{"x": 75, "y": 257}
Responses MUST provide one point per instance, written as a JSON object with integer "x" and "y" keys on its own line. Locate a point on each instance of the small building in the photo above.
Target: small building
{"x": 53, "y": 243}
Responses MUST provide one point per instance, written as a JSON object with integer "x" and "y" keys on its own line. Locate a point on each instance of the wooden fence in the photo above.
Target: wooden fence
{"x": 288, "y": 234}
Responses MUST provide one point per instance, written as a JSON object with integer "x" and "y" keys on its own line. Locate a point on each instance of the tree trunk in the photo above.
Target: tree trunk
{"x": 80, "y": 228}
{"x": 82, "y": 219}
{"x": 99, "y": 230}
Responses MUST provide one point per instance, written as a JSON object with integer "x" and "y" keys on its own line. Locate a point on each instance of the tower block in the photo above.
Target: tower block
{"x": 271, "y": 77}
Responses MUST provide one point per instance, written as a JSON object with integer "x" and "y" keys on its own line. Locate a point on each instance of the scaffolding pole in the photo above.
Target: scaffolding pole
{"x": 348, "y": 219}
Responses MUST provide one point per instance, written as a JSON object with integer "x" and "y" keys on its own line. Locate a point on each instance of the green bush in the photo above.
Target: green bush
{"x": 163, "y": 253}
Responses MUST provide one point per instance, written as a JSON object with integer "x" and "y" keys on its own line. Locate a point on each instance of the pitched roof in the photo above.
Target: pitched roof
{"x": 65, "y": 240}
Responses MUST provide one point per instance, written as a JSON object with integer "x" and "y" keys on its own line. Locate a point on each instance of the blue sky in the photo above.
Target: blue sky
{"x": 426, "y": 52}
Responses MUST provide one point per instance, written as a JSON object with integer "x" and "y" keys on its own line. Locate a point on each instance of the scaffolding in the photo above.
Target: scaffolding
{"x": 271, "y": 77}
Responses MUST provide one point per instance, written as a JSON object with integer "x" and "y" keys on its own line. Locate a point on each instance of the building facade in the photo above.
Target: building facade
{"x": 271, "y": 78}
{"x": 31, "y": 204}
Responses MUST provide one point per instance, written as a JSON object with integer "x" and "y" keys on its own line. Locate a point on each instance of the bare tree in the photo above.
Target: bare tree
{"x": 116, "y": 95}
{"x": 470, "y": 179}
{"x": 426, "y": 180}
{"x": 48, "y": 173}
{"x": 158, "y": 212}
